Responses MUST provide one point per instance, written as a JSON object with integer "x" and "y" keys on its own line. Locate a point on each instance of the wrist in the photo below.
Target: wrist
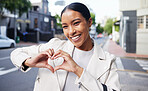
{"x": 79, "y": 71}
{"x": 25, "y": 66}
{"x": 25, "y": 63}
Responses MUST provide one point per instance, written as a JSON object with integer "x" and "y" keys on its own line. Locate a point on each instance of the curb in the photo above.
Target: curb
{"x": 107, "y": 46}
{"x": 141, "y": 58}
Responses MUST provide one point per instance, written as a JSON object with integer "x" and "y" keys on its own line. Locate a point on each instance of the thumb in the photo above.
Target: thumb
{"x": 50, "y": 68}
{"x": 57, "y": 68}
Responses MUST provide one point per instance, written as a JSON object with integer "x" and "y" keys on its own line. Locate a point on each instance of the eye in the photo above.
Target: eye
{"x": 64, "y": 26}
{"x": 77, "y": 23}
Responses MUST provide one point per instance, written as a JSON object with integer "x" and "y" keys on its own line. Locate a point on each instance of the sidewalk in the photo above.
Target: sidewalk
{"x": 23, "y": 44}
{"x": 117, "y": 50}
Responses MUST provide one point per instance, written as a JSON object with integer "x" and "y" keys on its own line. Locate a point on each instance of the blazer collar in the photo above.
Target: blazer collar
{"x": 98, "y": 51}
{"x": 98, "y": 63}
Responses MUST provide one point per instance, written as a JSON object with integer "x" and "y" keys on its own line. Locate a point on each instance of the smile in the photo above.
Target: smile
{"x": 76, "y": 38}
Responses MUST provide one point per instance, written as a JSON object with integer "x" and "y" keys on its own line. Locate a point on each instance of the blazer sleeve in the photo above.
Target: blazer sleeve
{"x": 89, "y": 83}
{"x": 19, "y": 55}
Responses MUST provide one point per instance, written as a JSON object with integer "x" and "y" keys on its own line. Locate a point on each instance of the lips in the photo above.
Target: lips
{"x": 76, "y": 38}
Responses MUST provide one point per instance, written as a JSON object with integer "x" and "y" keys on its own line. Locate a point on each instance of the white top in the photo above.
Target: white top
{"x": 82, "y": 58}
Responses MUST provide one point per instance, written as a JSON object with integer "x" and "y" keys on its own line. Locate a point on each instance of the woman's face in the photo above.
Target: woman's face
{"x": 76, "y": 29}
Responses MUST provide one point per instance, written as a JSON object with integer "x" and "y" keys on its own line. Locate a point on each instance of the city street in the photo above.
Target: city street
{"x": 12, "y": 79}
{"x": 132, "y": 73}
{"x": 120, "y": 27}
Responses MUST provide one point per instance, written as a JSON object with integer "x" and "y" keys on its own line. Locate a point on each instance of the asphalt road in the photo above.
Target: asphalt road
{"x": 12, "y": 79}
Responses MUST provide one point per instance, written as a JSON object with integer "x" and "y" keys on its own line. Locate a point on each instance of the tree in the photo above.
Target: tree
{"x": 108, "y": 26}
{"x": 58, "y": 18}
{"x": 21, "y": 6}
{"x": 13, "y": 6}
{"x": 93, "y": 18}
{"x": 99, "y": 29}
{"x": 117, "y": 28}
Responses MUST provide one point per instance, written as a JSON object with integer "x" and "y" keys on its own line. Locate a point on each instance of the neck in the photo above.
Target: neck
{"x": 87, "y": 45}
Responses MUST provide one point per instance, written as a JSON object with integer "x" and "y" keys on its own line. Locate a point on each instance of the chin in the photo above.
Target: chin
{"x": 78, "y": 45}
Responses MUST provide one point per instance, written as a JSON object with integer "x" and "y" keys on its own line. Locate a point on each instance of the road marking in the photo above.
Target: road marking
{"x": 3, "y": 72}
{"x": 4, "y": 58}
{"x": 143, "y": 64}
{"x": 119, "y": 63}
{"x": 133, "y": 71}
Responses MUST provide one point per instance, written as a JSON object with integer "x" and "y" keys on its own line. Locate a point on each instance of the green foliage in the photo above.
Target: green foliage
{"x": 58, "y": 18}
{"x": 99, "y": 29}
{"x": 93, "y": 18}
{"x": 21, "y": 6}
{"x": 108, "y": 26}
{"x": 1, "y": 5}
{"x": 117, "y": 28}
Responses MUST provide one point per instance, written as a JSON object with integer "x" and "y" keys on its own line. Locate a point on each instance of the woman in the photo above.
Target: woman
{"x": 62, "y": 61}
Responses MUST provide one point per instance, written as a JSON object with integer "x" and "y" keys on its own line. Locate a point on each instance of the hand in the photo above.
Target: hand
{"x": 69, "y": 64}
{"x": 41, "y": 60}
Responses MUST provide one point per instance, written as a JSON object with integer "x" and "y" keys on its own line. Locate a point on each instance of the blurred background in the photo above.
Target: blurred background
{"x": 119, "y": 27}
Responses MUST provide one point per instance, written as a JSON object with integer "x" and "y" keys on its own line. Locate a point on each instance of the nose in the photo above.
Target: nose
{"x": 71, "y": 31}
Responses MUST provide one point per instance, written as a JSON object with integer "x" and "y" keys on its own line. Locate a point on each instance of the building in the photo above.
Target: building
{"x": 4, "y": 19}
{"x": 35, "y": 25}
{"x": 134, "y": 26}
{"x": 142, "y": 28}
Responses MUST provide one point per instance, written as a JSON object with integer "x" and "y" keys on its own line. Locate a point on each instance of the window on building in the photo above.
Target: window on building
{"x": 35, "y": 8}
{"x": 35, "y": 23}
{"x": 140, "y": 22}
{"x": 147, "y": 22}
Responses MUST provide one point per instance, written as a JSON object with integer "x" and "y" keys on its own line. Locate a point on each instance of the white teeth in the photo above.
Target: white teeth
{"x": 75, "y": 37}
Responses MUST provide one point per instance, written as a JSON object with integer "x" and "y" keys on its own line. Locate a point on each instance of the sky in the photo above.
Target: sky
{"x": 101, "y": 8}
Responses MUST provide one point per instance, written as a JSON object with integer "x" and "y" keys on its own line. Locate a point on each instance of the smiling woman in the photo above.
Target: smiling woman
{"x": 76, "y": 29}
{"x": 62, "y": 61}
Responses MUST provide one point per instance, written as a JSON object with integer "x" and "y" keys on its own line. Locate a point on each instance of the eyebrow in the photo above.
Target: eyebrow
{"x": 75, "y": 19}
{"x": 72, "y": 21}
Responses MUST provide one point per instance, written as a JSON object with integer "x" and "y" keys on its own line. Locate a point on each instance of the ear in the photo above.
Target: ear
{"x": 90, "y": 21}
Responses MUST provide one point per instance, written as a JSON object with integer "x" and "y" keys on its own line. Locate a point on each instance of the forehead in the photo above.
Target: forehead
{"x": 70, "y": 15}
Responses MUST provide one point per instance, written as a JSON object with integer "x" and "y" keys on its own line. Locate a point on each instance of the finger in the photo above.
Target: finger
{"x": 56, "y": 53}
{"x": 58, "y": 67}
{"x": 52, "y": 51}
{"x": 57, "y": 56}
{"x": 47, "y": 53}
{"x": 50, "y": 68}
{"x": 60, "y": 52}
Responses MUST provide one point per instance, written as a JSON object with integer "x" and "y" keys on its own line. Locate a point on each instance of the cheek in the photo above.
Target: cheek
{"x": 85, "y": 30}
{"x": 65, "y": 33}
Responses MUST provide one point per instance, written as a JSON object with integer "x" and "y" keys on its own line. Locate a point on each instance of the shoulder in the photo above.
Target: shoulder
{"x": 109, "y": 57}
{"x": 102, "y": 54}
{"x": 54, "y": 43}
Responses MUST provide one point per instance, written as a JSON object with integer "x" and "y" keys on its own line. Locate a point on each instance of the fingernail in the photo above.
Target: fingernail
{"x": 52, "y": 58}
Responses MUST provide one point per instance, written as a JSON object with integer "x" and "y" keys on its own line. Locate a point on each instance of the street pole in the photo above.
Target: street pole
{"x": 15, "y": 31}
{"x": 125, "y": 18}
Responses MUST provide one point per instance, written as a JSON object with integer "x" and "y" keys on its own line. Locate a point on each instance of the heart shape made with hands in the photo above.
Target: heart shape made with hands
{"x": 55, "y": 62}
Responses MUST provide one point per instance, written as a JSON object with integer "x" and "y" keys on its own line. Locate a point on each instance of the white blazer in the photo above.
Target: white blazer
{"x": 100, "y": 70}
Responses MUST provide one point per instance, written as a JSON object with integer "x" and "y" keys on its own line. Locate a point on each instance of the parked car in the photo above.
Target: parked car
{"x": 6, "y": 42}
{"x": 100, "y": 35}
